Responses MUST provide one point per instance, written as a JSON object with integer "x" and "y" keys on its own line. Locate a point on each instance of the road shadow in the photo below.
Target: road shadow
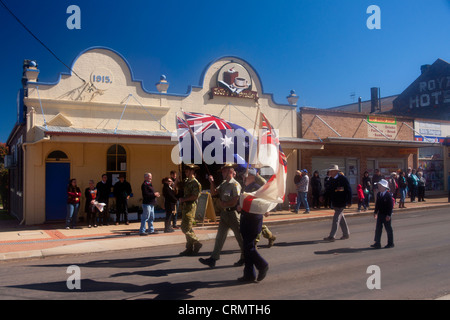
{"x": 344, "y": 250}
{"x": 163, "y": 290}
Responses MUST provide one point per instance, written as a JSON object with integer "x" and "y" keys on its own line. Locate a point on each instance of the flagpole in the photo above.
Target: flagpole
{"x": 195, "y": 140}
{"x": 251, "y": 142}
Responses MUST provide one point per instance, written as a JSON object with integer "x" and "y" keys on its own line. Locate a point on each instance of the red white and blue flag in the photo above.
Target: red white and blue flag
{"x": 270, "y": 155}
{"x": 231, "y": 142}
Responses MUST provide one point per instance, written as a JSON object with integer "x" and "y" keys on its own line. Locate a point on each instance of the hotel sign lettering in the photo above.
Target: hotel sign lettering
{"x": 433, "y": 92}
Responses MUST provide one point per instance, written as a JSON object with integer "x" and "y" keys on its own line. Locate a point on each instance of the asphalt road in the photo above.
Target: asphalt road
{"x": 302, "y": 266}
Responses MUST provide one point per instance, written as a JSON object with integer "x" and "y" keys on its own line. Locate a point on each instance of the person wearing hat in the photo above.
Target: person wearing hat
{"x": 229, "y": 191}
{"x": 122, "y": 192}
{"x": 383, "y": 214}
{"x": 341, "y": 196}
{"x": 302, "y": 191}
{"x": 192, "y": 190}
{"x": 251, "y": 227}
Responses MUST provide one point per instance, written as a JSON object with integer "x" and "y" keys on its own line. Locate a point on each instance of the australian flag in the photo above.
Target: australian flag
{"x": 208, "y": 138}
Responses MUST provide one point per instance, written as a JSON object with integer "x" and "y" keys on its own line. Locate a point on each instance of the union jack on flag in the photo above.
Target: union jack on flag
{"x": 231, "y": 135}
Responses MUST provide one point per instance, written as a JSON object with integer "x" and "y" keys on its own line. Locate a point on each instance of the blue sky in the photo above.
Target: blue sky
{"x": 320, "y": 48}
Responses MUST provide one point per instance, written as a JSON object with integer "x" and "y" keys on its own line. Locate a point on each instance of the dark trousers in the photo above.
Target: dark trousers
{"x": 421, "y": 193}
{"x": 92, "y": 216}
{"x": 122, "y": 207}
{"x": 381, "y": 220}
{"x": 251, "y": 226}
{"x": 103, "y": 217}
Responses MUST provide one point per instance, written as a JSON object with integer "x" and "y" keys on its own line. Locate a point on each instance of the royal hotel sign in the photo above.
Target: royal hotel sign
{"x": 429, "y": 95}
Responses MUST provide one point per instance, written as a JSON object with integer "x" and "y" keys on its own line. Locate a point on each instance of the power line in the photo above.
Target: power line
{"x": 43, "y": 44}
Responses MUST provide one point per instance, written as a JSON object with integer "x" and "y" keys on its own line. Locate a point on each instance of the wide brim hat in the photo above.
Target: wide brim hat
{"x": 333, "y": 167}
{"x": 384, "y": 183}
{"x": 229, "y": 165}
{"x": 192, "y": 166}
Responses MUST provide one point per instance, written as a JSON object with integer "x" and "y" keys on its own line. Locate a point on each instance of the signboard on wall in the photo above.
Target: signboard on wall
{"x": 234, "y": 80}
{"x": 381, "y": 127}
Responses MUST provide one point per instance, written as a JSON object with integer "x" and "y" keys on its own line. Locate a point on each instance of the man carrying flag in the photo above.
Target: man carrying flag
{"x": 257, "y": 201}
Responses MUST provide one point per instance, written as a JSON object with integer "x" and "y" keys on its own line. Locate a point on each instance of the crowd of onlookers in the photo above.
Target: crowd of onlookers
{"x": 315, "y": 192}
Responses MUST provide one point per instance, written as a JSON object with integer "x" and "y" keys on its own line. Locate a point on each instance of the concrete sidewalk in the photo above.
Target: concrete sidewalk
{"x": 23, "y": 242}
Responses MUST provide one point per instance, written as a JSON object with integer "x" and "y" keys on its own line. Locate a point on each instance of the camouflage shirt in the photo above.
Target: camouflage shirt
{"x": 192, "y": 187}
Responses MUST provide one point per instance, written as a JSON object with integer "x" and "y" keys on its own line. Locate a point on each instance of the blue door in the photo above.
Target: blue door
{"x": 57, "y": 177}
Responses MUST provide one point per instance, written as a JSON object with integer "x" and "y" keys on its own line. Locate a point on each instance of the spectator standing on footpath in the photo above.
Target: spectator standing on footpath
{"x": 402, "y": 186}
{"x": 366, "y": 186}
{"x": 122, "y": 192}
{"x": 302, "y": 191}
{"x": 421, "y": 186}
{"x": 393, "y": 185}
{"x": 103, "y": 192}
{"x": 341, "y": 196}
{"x": 73, "y": 204}
{"x": 170, "y": 202}
{"x": 91, "y": 210}
{"x": 361, "y": 198}
{"x": 148, "y": 205}
{"x": 178, "y": 193}
{"x": 316, "y": 188}
{"x": 413, "y": 183}
{"x": 376, "y": 177}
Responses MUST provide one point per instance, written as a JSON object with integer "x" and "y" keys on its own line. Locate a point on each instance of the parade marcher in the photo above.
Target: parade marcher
{"x": 383, "y": 214}
{"x": 103, "y": 191}
{"x": 251, "y": 227}
{"x": 191, "y": 192}
{"x": 170, "y": 202}
{"x": 73, "y": 204}
{"x": 91, "y": 210}
{"x": 229, "y": 191}
{"x": 366, "y": 186}
{"x": 341, "y": 196}
{"x": 316, "y": 188}
{"x": 122, "y": 192}
{"x": 148, "y": 205}
{"x": 302, "y": 191}
{"x": 402, "y": 186}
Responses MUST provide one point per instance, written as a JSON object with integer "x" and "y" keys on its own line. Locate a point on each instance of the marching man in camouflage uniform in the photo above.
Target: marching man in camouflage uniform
{"x": 229, "y": 191}
{"x": 192, "y": 190}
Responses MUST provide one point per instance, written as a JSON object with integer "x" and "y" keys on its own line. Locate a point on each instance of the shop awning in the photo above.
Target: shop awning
{"x": 139, "y": 136}
{"x": 381, "y": 142}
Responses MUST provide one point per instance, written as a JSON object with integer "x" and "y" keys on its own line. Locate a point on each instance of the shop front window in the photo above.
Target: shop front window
{"x": 116, "y": 162}
{"x": 431, "y": 162}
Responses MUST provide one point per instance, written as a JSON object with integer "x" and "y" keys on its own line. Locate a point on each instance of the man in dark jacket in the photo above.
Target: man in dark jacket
{"x": 103, "y": 191}
{"x": 383, "y": 213}
{"x": 341, "y": 196}
{"x": 148, "y": 205}
{"x": 122, "y": 192}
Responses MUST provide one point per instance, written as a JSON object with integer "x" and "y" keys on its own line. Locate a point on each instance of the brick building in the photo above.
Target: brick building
{"x": 358, "y": 142}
